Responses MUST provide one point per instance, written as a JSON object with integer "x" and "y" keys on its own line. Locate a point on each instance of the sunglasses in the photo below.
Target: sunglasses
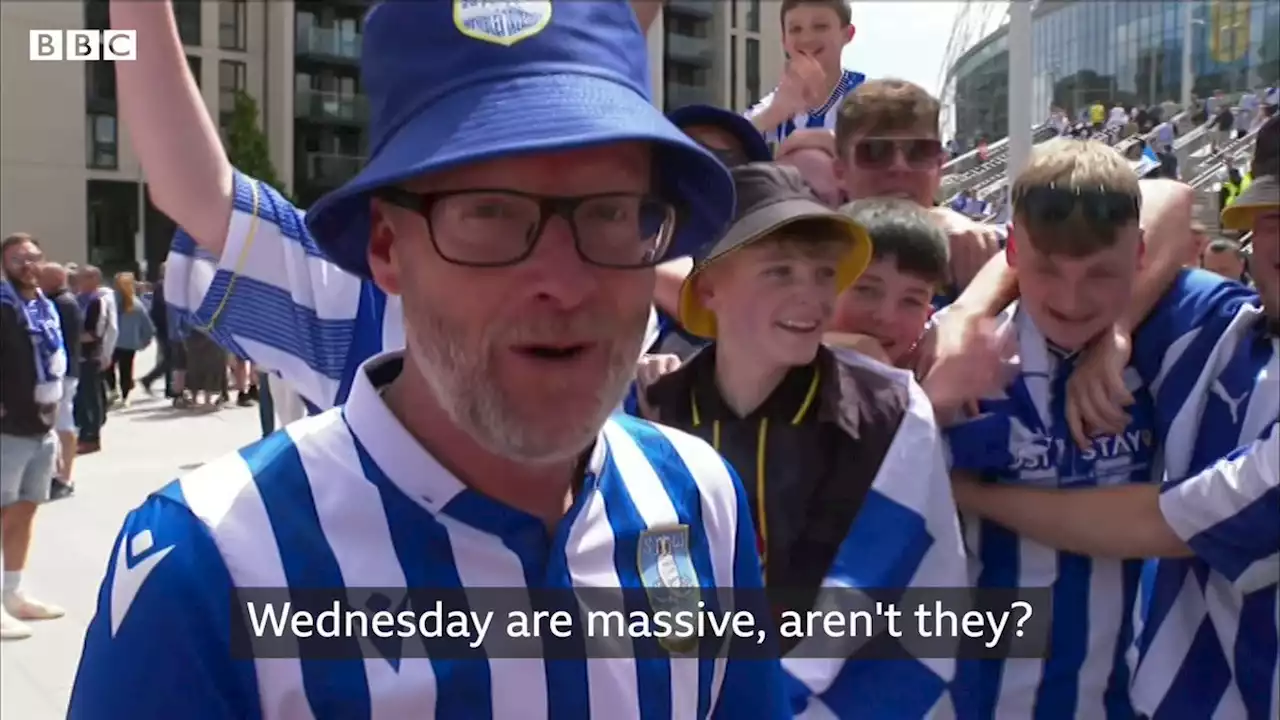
{"x": 1100, "y": 208}
{"x": 879, "y": 153}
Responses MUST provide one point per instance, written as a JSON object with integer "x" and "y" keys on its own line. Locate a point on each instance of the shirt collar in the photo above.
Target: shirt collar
{"x": 399, "y": 455}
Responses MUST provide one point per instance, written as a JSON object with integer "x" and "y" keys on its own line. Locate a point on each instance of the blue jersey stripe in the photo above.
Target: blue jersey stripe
{"x": 282, "y": 482}
{"x": 425, "y": 552}
{"x": 652, "y": 673}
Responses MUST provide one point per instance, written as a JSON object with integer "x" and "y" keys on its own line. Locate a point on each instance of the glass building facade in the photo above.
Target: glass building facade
{"x": 1116, "y": 51}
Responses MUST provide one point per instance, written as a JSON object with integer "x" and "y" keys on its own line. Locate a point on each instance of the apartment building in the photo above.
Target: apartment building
{"x": 68, "y": 173}
{"x": 716, "y": 52}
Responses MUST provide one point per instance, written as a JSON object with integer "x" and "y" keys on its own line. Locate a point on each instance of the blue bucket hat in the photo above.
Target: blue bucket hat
{"x": 454, "y": 82}
{"x": 752, "y": 142}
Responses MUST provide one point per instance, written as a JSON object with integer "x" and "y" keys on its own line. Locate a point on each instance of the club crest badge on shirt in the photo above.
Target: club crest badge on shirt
{"x": 669, "y": 579}
{"x": 501, "y": 22}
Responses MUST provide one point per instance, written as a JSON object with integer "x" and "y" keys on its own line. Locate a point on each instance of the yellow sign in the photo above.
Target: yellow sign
{"x": 1229, "y": 30}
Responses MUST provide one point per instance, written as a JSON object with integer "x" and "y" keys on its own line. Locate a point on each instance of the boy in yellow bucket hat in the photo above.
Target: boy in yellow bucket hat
{"x": 766, "y": 392}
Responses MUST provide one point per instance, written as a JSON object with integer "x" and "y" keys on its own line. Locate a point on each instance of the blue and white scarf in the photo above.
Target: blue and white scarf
{"x": 39, "y": 317}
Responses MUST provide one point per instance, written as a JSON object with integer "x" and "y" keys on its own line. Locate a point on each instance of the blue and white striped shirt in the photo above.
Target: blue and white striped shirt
{"x": 1207, "y": 642}
{"x": 348, "y": 499}
{"x": 1021, "y": 437}
{"x": 823, "y": 116}
{"x": 276, "y": 299}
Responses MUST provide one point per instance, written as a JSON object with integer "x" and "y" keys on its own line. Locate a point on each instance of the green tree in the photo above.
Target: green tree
{"x": 247, "y": 144}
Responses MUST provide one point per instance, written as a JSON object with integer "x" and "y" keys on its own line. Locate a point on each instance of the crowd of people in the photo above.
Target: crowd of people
{"x": 582, "y": 344}
{"x": 87, "y": 334}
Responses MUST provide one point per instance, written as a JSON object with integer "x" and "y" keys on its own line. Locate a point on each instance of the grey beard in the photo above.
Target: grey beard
{"x": 464, "y": 389}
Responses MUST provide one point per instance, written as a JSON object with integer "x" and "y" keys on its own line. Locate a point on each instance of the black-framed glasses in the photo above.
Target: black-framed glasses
{"x": 496, "y": 228}
{"x": 879, "y": 153}
{"x": 1101, "y": 208}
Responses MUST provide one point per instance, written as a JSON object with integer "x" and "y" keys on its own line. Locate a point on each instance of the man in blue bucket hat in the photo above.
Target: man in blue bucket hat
{"x": 520, "y": 188}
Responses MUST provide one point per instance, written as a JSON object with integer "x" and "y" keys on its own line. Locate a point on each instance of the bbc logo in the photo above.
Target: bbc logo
{"x": 84, "y": 45}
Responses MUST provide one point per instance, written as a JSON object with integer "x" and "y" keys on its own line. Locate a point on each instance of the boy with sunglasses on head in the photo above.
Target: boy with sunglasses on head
{"x": 814, "y": 33}
{"x": 818, "y": 436}
{"x": 1076, "y": 246}
{"x": 1206, "y": 646}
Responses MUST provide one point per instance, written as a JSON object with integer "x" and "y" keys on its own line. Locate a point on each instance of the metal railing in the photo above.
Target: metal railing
{"x": 330, "y": 106}
{"x": 329, "y": 42}
{"x": 1128, "y": 143}
{"x": 1213, "y": 165}
{"x": 995, "y": 164}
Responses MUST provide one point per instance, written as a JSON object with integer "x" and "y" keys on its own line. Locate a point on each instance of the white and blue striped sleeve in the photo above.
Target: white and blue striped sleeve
{"x": 752, "y": 687}
{"x": 159, "y": 644}
{"x": 272, "y": 296}
{"x": 1229, "y": 514}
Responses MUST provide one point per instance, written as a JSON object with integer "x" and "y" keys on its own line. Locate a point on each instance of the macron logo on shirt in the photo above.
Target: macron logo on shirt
{"x": 128, "y": 579}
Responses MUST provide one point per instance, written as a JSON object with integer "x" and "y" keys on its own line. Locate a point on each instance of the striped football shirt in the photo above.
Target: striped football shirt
{"x": 347, "y": 500}
{"x": 275, "y": 298}
{"x": 1021, "y": 437}
{"x": 823, "y": 116}
{"x": 1207, "y": 638}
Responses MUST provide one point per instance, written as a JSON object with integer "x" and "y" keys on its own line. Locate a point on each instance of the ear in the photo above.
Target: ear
{"x": 1142, "y": 246}
{"x": 849, "y": 33}
{"x": 1011, "y": 249}
{"x": 384, "y": 264}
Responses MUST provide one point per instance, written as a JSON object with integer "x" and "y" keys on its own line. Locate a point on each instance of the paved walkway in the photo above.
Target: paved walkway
{"x": 143, "y": 447}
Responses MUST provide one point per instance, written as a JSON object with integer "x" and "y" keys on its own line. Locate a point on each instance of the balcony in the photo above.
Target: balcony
{"x": 689, "y": 49}
{"x": 328, "y": 43}
{"x": 700, "y": 8}
{"x": 330, "y": 107}
{"x": 678, "y": 95}
{"x": 331, "y": 169}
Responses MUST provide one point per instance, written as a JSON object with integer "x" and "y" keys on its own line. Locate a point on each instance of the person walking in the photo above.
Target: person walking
{"x": 159, "y": 313}
{"x": 97, "y": 332}
{"x": 55, "y": 285}
{"x": 136, "y": 333}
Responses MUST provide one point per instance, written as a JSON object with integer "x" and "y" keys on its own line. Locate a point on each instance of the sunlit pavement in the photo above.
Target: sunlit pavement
{"x": 143, "y": 447}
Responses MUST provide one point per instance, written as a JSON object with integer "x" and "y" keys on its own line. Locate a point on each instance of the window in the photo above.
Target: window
{"x": 753, "y": 71}
{"x": 231, "y": 24}
{"x": 194, "y": 65}
{"x": 733, "y": 14}
{"x": 231, "y": 79}
{"x": 100, "y": 141}
{"x": 753, "y": 16}
{"x": 187, "y": 13}
{"x": 100, "y": 82}
{"x": 733, "y": 72}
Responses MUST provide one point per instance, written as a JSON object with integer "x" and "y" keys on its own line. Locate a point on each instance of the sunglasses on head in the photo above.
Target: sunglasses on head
{"x": 1052, "y": 204}
{"x": 879, "y": 153}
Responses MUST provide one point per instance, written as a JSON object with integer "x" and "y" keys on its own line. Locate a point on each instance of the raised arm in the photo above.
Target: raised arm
{"x": 187, "y": 171}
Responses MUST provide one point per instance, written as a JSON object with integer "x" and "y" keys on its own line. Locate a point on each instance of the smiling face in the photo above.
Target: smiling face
{"x": 817, "y": 30}
{"x": 774, "y": 298}
{"x": 888, "y": 304}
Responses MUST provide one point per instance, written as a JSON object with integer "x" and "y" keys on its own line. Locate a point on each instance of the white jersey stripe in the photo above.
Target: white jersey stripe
{"x": 354, "y": 520}
{"x": 224, "y": 496}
